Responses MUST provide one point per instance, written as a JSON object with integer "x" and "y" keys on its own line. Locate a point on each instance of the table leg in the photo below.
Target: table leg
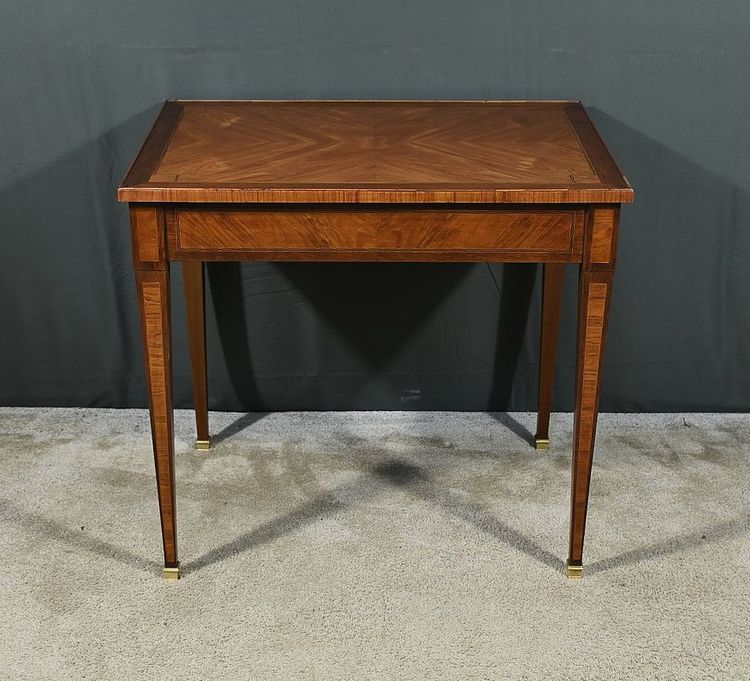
{"x": 195, "y": 304}
{"x": 552, "y": 288}
{"x": 153, "y": 295}
{"x": 593, "y": 303}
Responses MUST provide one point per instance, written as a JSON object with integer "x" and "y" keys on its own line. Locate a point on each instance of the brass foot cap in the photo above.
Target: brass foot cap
{"x": 171, "y": 572}
{"x": 541, "y": 443}
{"x": 203, "y": 444}
{"x": 575, "y": 571}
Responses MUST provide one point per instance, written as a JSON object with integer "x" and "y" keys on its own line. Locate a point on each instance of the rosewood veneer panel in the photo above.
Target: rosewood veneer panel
{"x": 400, "y": 234}
{"x": 374, "y": 152}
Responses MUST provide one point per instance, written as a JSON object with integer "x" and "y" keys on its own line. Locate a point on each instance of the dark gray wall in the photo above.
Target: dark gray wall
{"x": 667, "y": 83}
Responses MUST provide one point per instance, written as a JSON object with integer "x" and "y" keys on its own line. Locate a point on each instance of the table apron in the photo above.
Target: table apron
{"x": 472, "y": 234}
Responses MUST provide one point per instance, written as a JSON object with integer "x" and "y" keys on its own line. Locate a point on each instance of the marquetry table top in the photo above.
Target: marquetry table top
{"x": 374, "y": 152}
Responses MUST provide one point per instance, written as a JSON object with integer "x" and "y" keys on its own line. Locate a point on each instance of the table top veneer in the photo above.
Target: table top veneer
{"x": 374, "y": 152}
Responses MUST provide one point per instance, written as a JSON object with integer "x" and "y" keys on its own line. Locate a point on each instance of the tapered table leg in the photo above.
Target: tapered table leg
{"x": 594, "y": 292}
{"x": 153, "y": 295}
{"x": 593, "y": 304}
{"x": 552, "y": 287}
{"x": 195, "y": 304}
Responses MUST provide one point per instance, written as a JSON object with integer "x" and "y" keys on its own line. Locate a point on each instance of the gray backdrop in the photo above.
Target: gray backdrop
{"x": 666, "y": 82}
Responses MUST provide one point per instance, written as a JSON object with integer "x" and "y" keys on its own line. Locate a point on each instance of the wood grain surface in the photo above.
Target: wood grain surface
{"x": 153, "y": 294}
{"x": 604, "y": 234}
{"x": 147, "y": 232}
{"x": 195, "y": 309}
{"x": 401, "y": 234}
{"x": 552, "y": 290}
{"x": 593, "y": 306}
{"x": 594, "y": 293}
{"x": 374, "y": 152}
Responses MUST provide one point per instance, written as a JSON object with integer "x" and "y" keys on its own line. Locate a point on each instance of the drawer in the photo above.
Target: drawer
{"x": 346, "y": 233}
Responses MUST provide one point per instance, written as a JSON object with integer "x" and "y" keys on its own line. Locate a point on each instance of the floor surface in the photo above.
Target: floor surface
{"x": 389, "y": 545}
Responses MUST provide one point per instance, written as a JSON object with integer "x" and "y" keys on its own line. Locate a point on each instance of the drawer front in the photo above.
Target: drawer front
{"x": 365, "y": 234}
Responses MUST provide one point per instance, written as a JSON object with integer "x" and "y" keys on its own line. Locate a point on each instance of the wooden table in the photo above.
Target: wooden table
{"x": 374, "y": 181}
